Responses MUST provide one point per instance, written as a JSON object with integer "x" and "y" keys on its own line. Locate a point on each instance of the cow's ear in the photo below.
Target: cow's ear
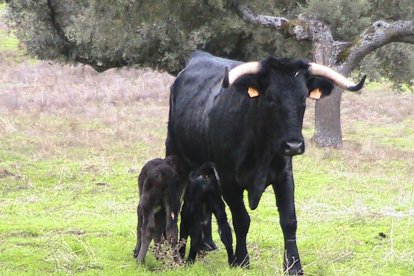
{"x": 245, "y": 84}
{"x": 319, "y": 87}
{"x": 248, "y": 85}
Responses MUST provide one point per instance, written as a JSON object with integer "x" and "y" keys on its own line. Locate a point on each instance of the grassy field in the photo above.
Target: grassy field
{"x": 72, "y": 142}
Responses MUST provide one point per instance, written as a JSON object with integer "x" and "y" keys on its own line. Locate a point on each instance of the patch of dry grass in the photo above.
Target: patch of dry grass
{"x": 54, "y": 88}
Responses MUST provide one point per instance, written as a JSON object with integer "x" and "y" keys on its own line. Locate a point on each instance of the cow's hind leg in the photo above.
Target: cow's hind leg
{"x": 284, "y": 191}
{"x": 241, "y": 224}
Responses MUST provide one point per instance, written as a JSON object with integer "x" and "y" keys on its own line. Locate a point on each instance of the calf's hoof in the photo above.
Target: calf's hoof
{"x": 294, "y": 268}
{"x": 208, "y": 245}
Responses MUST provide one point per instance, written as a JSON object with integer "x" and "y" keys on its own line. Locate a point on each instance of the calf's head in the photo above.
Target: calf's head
{"x": 203, "y": 180}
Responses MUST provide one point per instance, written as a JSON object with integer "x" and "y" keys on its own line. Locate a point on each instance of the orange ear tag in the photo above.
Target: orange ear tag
{"x": 253, "y": 92}
{"x": 315, "y": 94}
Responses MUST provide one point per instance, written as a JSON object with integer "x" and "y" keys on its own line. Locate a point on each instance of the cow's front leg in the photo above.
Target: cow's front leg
{"x": 284, "y": 191}
{"x": 241, "y": 224}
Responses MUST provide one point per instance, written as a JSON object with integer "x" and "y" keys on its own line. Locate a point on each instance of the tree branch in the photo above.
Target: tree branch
{"x": 304, "y": 28}
{"x": 346, "y": 55}
{"x": 377, "y": 35}
{"x": 279, "y": 23}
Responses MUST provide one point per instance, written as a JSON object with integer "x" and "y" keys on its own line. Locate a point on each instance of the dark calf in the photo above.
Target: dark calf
{"x": 160, "y": 189}
{"x": 203, "y": 197}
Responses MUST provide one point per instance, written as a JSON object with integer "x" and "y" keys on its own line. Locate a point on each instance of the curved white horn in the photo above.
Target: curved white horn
{"x": 252, "y": 67}
{"x": 337, "y": 78}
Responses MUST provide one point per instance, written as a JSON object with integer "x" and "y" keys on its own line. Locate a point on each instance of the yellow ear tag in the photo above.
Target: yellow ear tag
{"x": 315, "y": 94}
{"x": 253, "y": 92}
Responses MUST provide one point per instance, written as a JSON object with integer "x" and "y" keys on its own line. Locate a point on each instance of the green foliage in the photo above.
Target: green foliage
{"x": 160, "y": 36}
{"x": 346, "y": 18}
{"x": 393, "y": 62}
{"x": 109, "y": 34}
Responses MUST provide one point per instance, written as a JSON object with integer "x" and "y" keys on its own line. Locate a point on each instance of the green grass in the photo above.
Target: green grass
{"x": 68, "y": 200}
{"x": 8, "y": 41}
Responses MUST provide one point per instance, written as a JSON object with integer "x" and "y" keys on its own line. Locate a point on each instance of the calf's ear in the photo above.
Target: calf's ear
{"x": 319, "y": 87}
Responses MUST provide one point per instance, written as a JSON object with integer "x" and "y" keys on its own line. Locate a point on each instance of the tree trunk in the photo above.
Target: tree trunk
{"x": 328, "y": 131}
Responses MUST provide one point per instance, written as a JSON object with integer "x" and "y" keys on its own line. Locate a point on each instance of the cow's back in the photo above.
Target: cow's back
{"x": 193, "y": 95}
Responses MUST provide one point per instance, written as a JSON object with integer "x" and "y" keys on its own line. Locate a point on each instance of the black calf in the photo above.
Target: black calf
{"x": 203, "y": 197}
{"x": 159, "y": 203}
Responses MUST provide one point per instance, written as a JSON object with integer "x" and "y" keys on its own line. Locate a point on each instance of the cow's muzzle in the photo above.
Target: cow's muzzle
{"x": 294, "y": 147}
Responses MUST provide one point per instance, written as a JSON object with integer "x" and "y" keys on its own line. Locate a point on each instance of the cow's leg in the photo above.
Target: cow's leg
{"x": 241, "y": 222}
{"x": 224, "y": 229}
{"x": 284, "y": 191}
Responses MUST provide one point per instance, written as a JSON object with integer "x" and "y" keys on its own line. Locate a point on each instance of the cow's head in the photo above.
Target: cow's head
{"x": 281, "y": 87}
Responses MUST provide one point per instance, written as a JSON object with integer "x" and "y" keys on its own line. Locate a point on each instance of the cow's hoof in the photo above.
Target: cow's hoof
{"x": 135, "y": 253}
{"x": 241, "y": 262}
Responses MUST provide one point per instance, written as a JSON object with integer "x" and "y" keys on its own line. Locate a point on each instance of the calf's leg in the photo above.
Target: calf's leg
{"x": 158, "y": 232}
{"x": 184, "y": 229}
{"x": 208, "y": 243}
{"x": 224, "y": 229}
{"x": 148, "y": 227}
{"x": 172, "y": 210}
{"x": 196, "y": 241}
{"x": 139, "y": 231}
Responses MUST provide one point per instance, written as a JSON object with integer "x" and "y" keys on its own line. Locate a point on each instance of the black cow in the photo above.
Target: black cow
{"x": 201, "y": 198}
{"x": 160, "y": 187}
{"x": 248, "y": 121}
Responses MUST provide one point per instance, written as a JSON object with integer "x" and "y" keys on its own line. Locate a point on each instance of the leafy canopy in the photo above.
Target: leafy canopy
{"x": 162, "y": 34}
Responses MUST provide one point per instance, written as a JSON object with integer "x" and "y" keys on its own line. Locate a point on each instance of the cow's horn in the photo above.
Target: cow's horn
{"x": 243, "y": 69}
{"x": 338, "y": 79}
